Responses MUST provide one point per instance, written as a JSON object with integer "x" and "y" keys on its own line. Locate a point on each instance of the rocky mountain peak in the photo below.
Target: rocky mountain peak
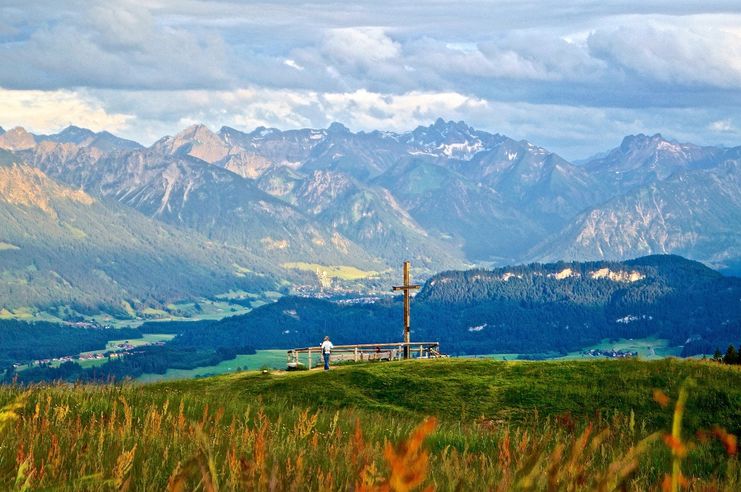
{"x": 75, "y": 133}
{"x": 200, "y": 142}
{"x": 17, "y": 139}
{"x": 337, "y": 128}
{"x": 198, "y": 132}
{"x": 447, "y": 139}
{"x": 640, "y": 141}
{"x": 641, "y": 158}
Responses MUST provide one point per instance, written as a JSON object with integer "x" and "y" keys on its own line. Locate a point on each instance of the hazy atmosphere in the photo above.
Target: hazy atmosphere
{"x": 574, "y": 78}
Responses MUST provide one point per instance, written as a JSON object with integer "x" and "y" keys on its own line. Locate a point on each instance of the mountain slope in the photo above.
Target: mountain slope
{"x": 642, "y": 159}
{"x": 440, "y": 195}
{"x": 696, "y": 214}
{"x": 186, "y": 191}
{"x": 368, "y": 215}
{"x": 467, "y": 215}
{"x": 60, "y": 246}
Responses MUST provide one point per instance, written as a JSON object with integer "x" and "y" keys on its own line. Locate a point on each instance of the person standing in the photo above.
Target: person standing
{"x": 326, "y": 350}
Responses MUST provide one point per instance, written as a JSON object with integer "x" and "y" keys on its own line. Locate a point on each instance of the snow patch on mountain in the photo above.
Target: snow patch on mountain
{"x": 462, "y": 150}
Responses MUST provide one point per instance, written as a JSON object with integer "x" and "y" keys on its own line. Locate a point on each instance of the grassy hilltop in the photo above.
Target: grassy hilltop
{"x": 513, "y": 425}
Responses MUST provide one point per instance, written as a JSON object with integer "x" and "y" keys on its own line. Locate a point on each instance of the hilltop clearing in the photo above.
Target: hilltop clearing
{"x": 506, "y": 424}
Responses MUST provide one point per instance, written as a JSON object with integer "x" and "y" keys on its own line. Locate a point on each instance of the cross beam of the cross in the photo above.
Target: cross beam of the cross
{"x": 407, "y": 288}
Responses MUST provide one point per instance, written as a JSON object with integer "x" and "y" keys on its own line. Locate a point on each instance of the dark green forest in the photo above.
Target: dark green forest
{"x": 22, "y": 342}
{"x": 150, "y": 359}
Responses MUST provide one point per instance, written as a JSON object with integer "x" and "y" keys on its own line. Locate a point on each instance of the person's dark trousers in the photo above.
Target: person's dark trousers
{"x": 326, "y": 361}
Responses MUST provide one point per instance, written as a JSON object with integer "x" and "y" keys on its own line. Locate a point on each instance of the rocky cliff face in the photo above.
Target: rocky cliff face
{"x": 692, "y": 213}
{"x": 642, "y": 159}
{"x": 16, "y": 139}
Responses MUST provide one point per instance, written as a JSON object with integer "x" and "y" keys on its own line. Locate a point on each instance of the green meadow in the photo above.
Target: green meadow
{"x": 455, "y": 424}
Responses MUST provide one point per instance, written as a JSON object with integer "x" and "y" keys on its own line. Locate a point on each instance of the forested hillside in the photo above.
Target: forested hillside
{"x": 22, "y": 342}
{"x": 554, "y": 308}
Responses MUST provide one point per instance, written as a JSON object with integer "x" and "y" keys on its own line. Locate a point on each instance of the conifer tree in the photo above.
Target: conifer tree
{"x": 731, "y": 355}
{"x": 717, "y": 356}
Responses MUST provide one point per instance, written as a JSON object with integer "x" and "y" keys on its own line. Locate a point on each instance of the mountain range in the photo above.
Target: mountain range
{"x": 446, "y": 196}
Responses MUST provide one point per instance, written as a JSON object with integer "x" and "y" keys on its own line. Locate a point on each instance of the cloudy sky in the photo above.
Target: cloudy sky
{"x": 574, "y": 78}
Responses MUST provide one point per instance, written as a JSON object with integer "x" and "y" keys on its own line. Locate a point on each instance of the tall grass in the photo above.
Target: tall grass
{"x": 127, "y": 437}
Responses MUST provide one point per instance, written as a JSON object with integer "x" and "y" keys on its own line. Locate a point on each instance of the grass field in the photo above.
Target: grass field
{"x": 147, "y": 338}
{"x": 574, "y": 425}
{"x": 649, "y": 348}
{"x": 342, "y": 272}
{"x": 273, "y": 359}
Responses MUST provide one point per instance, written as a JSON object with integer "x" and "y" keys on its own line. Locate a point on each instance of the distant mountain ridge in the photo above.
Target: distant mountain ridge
{"x": 444, "y": 196}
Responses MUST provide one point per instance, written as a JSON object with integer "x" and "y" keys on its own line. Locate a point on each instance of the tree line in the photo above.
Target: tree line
{"x": 731, "y": 357}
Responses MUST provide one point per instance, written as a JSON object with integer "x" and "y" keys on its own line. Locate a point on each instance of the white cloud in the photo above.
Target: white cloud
{"x": 292, "y": 63}
{"x": 675, "y": 54}
{"x": 571, "y": 76}
{"x": 722, "y": 126}
{"x": 115, "y": 45}
{"x": 371, "y": 111}
{"x": 50, "y": 111}
{"x": 363, "y": 46}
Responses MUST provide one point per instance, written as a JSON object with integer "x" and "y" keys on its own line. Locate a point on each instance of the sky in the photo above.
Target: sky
{"x": 574, "y": 77}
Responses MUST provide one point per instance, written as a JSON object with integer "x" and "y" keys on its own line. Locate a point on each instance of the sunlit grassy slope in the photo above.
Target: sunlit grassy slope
{"x": 462, "y": 388}
{"x": 258, "y": 360}
{"x": 592, "y": 425}
{"x": 343, "y": 272}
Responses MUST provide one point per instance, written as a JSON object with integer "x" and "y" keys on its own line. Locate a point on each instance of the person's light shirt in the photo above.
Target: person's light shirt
{"x": 327, "y": 346}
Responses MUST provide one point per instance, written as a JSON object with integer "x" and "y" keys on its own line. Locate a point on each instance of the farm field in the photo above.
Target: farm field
{"x": 342, "y": 272}
{"x": 146, "y": 339}
{"x": 649, "y": 348}
{"x": 273, "y": 359}
{"x": 452, "y": 424}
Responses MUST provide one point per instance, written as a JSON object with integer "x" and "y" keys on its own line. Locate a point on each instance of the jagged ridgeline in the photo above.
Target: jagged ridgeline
{"x": 545, "y": 310}
{"x": 442, "y": 196}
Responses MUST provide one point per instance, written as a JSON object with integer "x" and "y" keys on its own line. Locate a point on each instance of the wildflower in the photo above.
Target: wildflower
{"x": 408, "y": 461}
{"x": 661, "y": 398}
{"x": 728, "y": 440}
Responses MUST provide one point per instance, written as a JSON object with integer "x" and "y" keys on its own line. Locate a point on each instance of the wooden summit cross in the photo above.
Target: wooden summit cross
{"x": 407, "y": 288}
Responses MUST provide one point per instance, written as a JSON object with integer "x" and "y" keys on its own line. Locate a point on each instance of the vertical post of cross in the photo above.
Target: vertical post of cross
{"x": 406, "y": 288}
